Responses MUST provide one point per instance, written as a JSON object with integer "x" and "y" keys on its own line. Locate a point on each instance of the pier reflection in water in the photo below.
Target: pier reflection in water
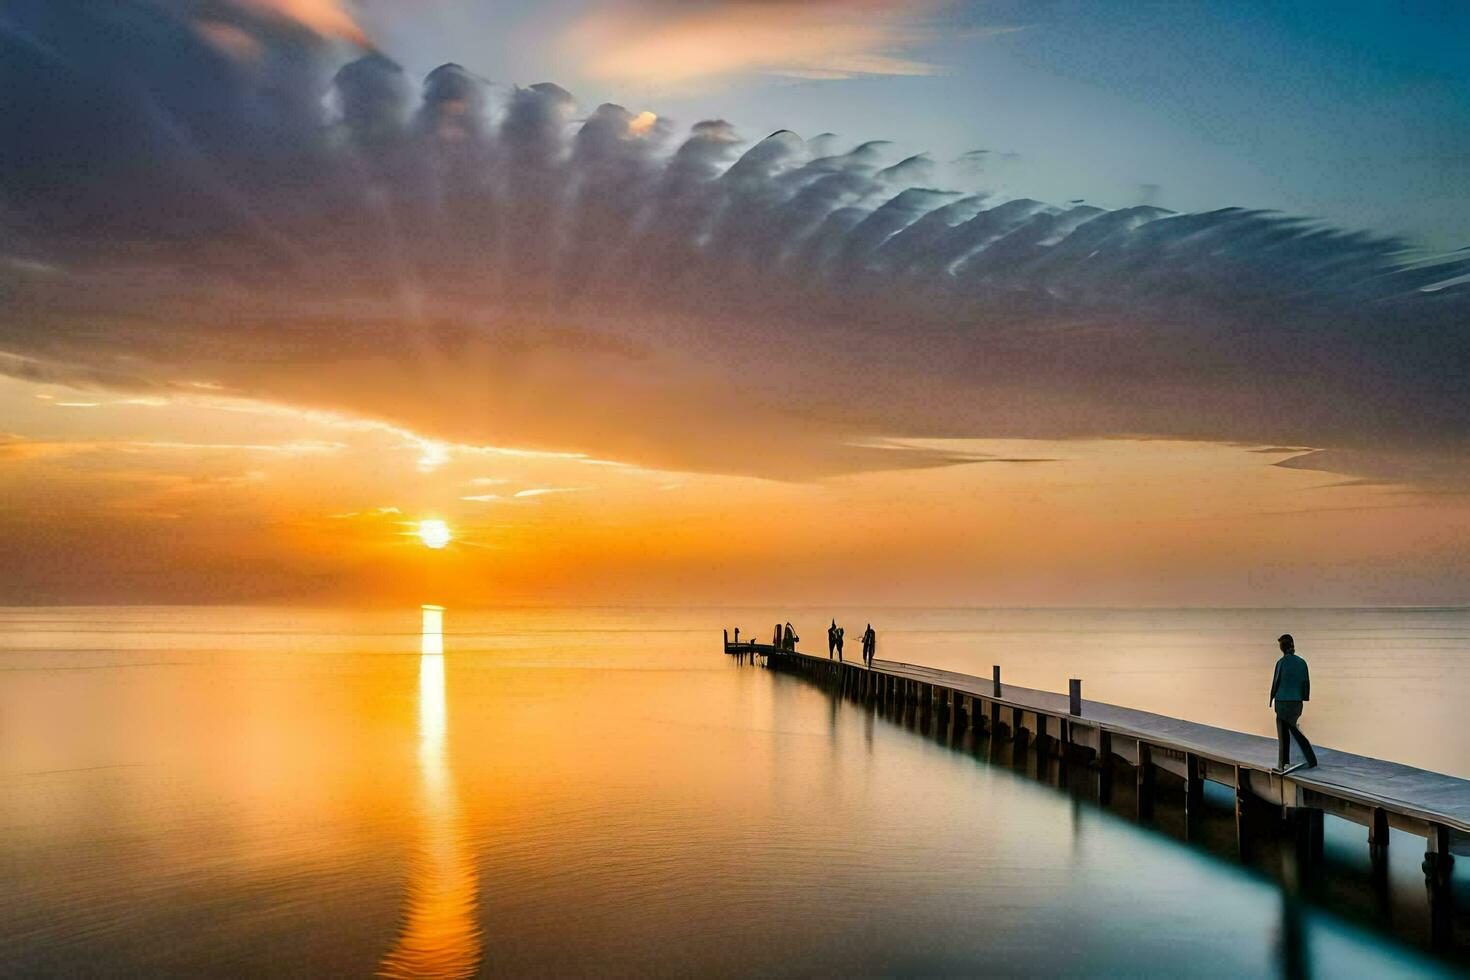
{"x": 440, "y": 931}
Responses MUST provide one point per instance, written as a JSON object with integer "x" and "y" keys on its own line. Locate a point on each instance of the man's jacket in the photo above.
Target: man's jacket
{"x": 1291, "y": 682}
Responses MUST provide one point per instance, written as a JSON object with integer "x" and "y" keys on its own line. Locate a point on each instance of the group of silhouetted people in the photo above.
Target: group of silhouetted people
{"x": 835, "y": 635}
{"x": 783, "y": 637}
{"x": 834, "y": 640}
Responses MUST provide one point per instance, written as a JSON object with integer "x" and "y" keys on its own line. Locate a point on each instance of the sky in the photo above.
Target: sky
{"x": 836, "y": 301}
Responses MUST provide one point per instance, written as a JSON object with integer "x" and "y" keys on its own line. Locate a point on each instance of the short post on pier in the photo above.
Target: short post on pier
{"x": 995, "y": 676}
{"x": 1074, "y": 690}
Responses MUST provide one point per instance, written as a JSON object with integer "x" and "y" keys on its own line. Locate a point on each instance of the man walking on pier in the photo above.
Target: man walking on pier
{"x": 1290, "y": 686}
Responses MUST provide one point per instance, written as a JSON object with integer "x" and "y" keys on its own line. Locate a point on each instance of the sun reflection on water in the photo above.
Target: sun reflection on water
{"x": 439, "y": 934}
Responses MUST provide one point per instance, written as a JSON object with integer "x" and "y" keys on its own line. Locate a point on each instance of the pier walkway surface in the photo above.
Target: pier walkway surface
{"x": 1430, "y": 796}
{"x": 1369, "y": 791}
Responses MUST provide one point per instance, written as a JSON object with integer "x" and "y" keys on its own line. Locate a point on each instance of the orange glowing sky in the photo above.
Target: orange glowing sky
{"x": 206, "y": 498}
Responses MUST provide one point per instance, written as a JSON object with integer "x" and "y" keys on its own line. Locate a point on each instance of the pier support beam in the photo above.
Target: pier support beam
{"x": 1145, "y": 781}
{"x": 1306, "y": 826}
{"x": 978, "y": 717}
{"x": 1104, "y": 762}
{"x": 1194, "y": 782}
{"x": 1378, "y": 847}
{"x": 1438, "y": 866}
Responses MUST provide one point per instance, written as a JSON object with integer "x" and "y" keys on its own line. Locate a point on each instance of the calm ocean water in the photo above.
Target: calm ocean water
{"x": 194, "y": 791}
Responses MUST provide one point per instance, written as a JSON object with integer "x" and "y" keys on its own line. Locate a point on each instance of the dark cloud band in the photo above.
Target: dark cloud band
{"x": 188, "y": 188}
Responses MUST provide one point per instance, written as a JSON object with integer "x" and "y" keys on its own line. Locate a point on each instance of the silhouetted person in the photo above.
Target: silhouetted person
{"x": 831, "y": 639}
{"x": 839, "y": 644}
{"x": 791, "y": 638}
{"x": 870, "y": 644}
{"x": 1290, "y": 686}
{"x": 737, "y": 636}
{"x": 776, "y": 637}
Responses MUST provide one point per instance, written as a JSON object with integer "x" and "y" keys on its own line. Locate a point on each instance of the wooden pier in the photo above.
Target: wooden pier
{"x": 1376, "y": 794}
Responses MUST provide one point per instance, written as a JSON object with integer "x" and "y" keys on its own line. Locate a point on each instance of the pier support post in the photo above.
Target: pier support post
{"x": 995, "y": 679}
{"x": 1194, "y": 782}
{"x": 1074, "y": 696}
{"x": 1104, "y": 761}
{"x": 1438, "y": 866}
{"x": 1378, "y": 846}
{"x": 1306, "y": 825}
{"x": 1145, "y": 781}
{"x": 1193, "y": 795}
{"x": 1242, "y": 800}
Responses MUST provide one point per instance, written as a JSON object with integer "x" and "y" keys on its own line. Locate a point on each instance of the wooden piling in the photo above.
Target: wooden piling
{"x": 1145, "y": 776}
{"x": 1378, "y": 847}
{"x": 1438, "y": 866}
{"x": 1193, "y": 782}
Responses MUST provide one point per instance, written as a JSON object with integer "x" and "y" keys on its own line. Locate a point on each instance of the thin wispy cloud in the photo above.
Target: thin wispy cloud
{"x": 542, "y": 491}
{"x": 672, "y": 44}
{"x": 329, "y": 18}
{"x": 16, "y": 446}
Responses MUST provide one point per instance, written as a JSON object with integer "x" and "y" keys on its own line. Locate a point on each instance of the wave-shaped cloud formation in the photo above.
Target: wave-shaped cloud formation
{"x": 182, "y": 203}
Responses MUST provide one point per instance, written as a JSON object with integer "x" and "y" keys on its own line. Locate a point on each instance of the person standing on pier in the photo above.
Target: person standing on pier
{"x": 870, "y": 644}
{"x": 839, "y": 643}
{"x": 831, "y": 639}
{"x": 790, "y": 638}
{"x": 1290, "y": 687}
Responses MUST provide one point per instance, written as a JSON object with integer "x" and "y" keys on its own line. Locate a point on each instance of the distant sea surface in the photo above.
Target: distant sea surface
{"x": 232, "y": 791}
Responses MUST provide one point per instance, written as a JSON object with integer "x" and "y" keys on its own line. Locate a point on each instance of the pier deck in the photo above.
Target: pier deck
{"x": 1350, "y": 785}
{"x": 1429, "y": 796}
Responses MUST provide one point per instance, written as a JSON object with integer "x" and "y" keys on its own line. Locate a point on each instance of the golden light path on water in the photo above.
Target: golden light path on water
{"x": 439, "y": 935}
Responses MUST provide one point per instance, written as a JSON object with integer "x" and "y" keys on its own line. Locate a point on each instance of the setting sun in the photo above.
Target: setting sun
{"x": 434, "y": 533}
